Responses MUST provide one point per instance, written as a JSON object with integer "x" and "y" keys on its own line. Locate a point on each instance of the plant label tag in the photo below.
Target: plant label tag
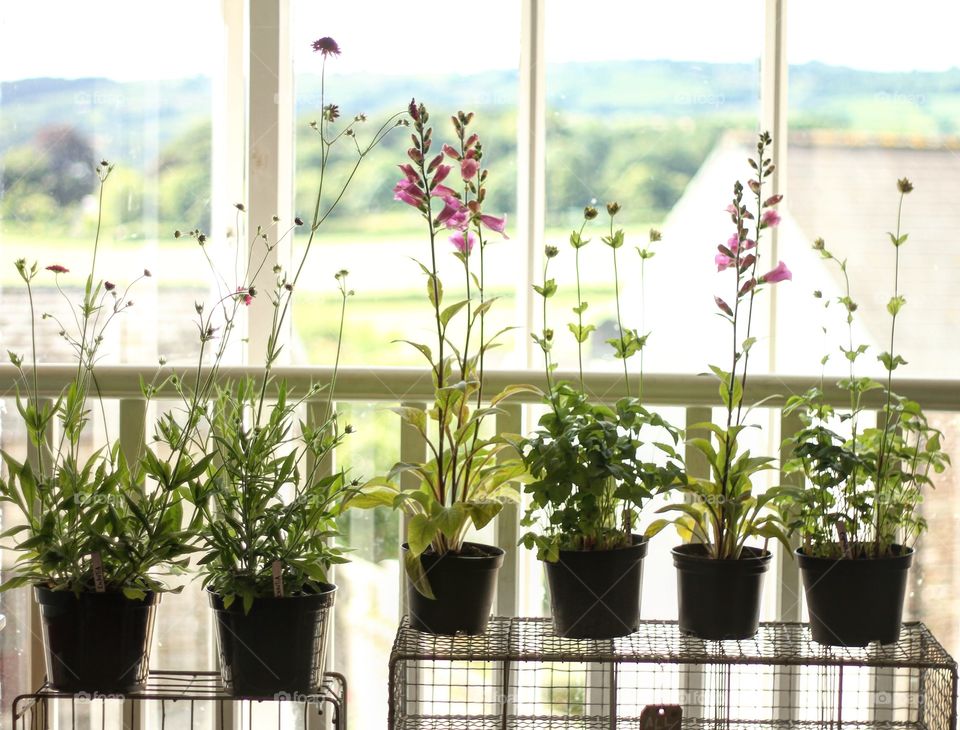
{"x": 842, "y": 533}
{"x": 277, "y": 570}
{"x": 98, "y": 583}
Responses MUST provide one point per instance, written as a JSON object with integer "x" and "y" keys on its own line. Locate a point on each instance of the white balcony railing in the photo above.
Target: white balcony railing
{"x": 696, "y": 395}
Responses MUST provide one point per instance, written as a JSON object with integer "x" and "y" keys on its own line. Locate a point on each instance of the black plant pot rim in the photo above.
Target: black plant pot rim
{"x": 900, "y": 561}
{"x": 692, "y": 557}
{"x": 63, "y": 598}
{"x": 468, "y": 561}
{"x": 640, "y": 544}
{"x": 324, "y": 597}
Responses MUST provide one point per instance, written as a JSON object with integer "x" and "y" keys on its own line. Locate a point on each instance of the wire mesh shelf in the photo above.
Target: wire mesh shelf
{"x": 521, "y": 675}
{"x": 183, "y": 699}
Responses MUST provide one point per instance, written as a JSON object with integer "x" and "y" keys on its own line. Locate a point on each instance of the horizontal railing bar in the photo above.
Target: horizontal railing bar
{"x": 398, "y": 384}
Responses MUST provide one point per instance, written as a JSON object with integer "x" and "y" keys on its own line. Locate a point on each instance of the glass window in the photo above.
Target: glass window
{"x": 134, "y": 85}
{"x": 862, "y": 115}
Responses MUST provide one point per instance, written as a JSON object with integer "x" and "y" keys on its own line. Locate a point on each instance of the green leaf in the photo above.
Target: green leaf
{"x": 434, "y": 290}
{"x": 548, "y": 289}
{"x": 447, "y": 314}
{"x": 895, "y": 305}
{"x": 416, "y": 417}
{"x": 512, "y": 390}
{"x": 582, "y": 332}
{"x": 417, "y": 575}
{"x": 656, "y": 527}
{"x": 423, "y": 349}
{"x": 420, "y": 533}
{"x": 891, "y": 363}
{"x": 482, "y": 512}
{"x": 449, "y": 520}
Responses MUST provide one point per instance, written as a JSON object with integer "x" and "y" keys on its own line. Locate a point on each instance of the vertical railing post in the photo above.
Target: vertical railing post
{"x": 691, "y": 680}
{"x": 507, "y": 526}
{"x": 789, "y": 589}
{"x": 37, "y": 666}
{"x": 132, "y": 437}
{"x": 316, "y": 412}
{"x": 412, "y": 449}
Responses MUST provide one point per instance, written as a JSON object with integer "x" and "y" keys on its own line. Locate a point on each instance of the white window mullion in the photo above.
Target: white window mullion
{"x": 269, "y": 150}
{"x": 773, "y": 118}
{"x": 531, "y": 164}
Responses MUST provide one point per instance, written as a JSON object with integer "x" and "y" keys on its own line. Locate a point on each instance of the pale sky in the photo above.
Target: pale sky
{"x": 134, "y": 39}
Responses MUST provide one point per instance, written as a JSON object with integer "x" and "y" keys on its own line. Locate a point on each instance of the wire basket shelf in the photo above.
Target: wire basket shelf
{"x": 174, "y": 700}
{"x": 519, "y": 674}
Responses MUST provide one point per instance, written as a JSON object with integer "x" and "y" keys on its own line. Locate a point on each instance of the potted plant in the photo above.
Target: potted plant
{"x": 858, "y": 518}
{"x": 589, "y": 479}
{"x": 720, "y": 576}
{"x": 467, "y": 476}
{"x": 267, "y": 509}
{"x": 97, "y": 543}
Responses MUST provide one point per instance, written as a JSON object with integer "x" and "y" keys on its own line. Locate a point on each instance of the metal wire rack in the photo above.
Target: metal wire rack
{"x": 521, "y": 675}
{"x": 174, "y": 700}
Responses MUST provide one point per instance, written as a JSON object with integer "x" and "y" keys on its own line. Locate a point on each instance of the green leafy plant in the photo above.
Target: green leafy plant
{"x": 724, "y": 511}
{"x": 589, "y": 477}
{"x": 90, "y": 523}
{"x": 864, "y": 486}
{"x": 266, "y": 506}
{"x": 468, "y": 475}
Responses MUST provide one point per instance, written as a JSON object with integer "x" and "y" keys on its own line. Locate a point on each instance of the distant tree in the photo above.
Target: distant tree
{"x": 68, "y": 161}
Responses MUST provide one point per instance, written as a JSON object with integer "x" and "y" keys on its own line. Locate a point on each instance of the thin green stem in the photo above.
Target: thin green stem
{"x": 576, "y": 262}
{"x": 890, "y": 423}
{"x": 616, "y": 290}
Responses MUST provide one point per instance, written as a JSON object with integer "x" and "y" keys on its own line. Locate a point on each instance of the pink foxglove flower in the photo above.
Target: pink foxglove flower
{"x": 453, "y": 215}
{"x": 407, "y": 192}
{"x": 441, "y": 175}
{"x": 450, "y": 152}
{"x": 464, "y": 246}
{"x": 444, "y": 193}
{"x": 494, "y": 223}
{"x": 770, "y": 219}
{"x": 409, "y": 172}
{"x": 722, "y": 261}
{"x": 468, "y": 168}
{"x": 780, "y": 273}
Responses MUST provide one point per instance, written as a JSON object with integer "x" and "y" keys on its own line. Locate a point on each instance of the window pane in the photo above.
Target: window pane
{"x": 371, "y": 234}
{"x": 647, "y": 117}
{"x": 864, "y": 114}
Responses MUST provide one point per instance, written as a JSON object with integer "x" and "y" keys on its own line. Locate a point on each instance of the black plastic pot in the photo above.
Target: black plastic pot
{"x": 852, "y": 602}
{"x": 719, "y": 599}
{"x": 96, "y": 642}
{"x": 595, "y": 594}
{"x": 278, "y": 648}
{"x": 463, "y": 586}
